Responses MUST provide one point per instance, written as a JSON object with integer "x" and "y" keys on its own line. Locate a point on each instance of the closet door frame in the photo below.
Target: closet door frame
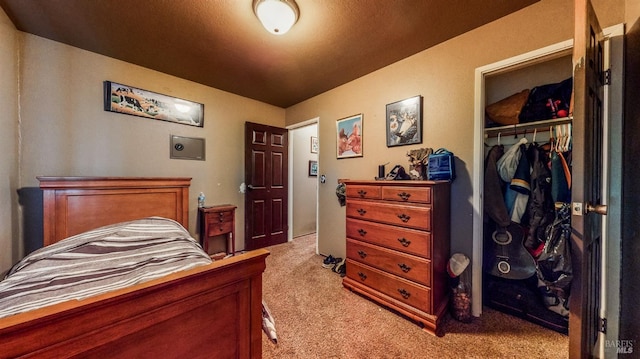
{"x": 526, "y": 59}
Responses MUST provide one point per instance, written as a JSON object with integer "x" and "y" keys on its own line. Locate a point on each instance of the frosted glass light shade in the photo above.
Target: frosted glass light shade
{"x": 277, "y": 16}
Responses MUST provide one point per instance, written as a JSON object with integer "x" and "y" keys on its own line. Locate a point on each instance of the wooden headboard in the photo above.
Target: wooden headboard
{"x": 74, "y": 205}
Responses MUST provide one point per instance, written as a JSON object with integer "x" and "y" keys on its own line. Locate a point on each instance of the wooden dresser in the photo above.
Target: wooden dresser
{"x": 398, "y": 246}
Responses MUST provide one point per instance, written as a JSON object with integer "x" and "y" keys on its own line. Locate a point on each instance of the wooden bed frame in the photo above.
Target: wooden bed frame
{"x": 209, "y": 311}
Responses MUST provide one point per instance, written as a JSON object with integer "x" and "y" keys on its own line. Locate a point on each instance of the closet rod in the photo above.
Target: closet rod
{"x": 541, "y": 126}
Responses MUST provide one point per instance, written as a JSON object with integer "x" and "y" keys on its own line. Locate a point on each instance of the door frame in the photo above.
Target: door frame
{"x": 478, "y": 152}
{"x": 291, "y": 129}
{"x": 612, "y": 277}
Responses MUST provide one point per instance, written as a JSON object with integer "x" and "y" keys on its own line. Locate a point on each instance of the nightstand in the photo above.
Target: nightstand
{"x": 216, "y": 221}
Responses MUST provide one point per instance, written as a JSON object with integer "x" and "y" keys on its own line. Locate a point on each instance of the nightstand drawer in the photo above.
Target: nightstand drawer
{"x": 407, "y": 194}
{"x": 214, "y": 218}
{"x": 217, "y": 228}
{"x": 403, "y": 265}
{"x": 396, "y": 214}
{"x": 407, "y": 292}
{"x": 401, "y": 239}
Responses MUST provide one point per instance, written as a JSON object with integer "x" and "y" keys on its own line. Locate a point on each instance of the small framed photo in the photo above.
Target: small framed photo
{"x": 313, "y": 168}
{"x": 314, "y": 144}
{"x": 404, "y": 122}
{"x": 349, "y": 137}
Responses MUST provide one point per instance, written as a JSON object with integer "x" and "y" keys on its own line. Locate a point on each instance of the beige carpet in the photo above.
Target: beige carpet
{"x": 316, "y": 317}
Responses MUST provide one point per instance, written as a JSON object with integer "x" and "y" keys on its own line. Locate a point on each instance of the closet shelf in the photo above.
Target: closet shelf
{"x": 520, "y": 128}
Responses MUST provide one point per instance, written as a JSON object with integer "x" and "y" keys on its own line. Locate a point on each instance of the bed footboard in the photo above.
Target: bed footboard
{"x": 205, "y": 312}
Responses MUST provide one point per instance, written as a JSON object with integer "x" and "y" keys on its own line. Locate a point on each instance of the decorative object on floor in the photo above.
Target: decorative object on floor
{"x": 419, "y": 159}
{"x": 134, "y": 101}
{"x": 349, "y": 137}
{"x": 277, "y": 16}
{"x": 314, "y": 144}
{"x": 313, "y": 168}
{"x": 460, "y": 287}
{"x": 404, "y": 122}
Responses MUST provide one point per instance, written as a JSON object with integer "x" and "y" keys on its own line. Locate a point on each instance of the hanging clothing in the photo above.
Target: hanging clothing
{"x": 517, "y": 195}
{"x": 494, "y": 206}
{"x": 554, "y": 269}
{"x": 560, "y": 178}
{"x": 508, "y": 163}
{"x": 540, "y": 209}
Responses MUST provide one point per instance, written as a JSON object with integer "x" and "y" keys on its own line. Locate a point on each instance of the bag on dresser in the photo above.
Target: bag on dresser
{"x": 441, "y": 165}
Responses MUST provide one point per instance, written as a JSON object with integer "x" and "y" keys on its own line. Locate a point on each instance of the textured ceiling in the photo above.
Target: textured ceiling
{"x": 220, "y": 43}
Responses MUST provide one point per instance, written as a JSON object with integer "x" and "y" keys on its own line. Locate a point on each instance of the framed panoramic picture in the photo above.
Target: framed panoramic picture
{"x": 314, "y": 144}
{"x": 349, "y": 137}
{"x": 313, "y": 168}
{"x": 134, "y": 101}
{"x": 404, "y": 122}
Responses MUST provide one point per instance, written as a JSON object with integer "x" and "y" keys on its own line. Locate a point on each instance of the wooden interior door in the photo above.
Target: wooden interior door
{"x": 266, "y": 177}
{"x": 588, "y": 152}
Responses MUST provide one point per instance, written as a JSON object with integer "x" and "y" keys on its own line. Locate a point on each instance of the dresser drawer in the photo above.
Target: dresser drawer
{"x": 397, "y": 214}
{"x": 407, "y": 194}
{"x": 363, "y": 191}
{"x": 412, "y": 294}
{"x": 402, "y": 239}
{"x": 403, "y": 265}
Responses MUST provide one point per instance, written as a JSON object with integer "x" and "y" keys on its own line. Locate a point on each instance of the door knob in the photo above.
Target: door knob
{"x": 250, "y": 186}
{"x": 596, "y": 208}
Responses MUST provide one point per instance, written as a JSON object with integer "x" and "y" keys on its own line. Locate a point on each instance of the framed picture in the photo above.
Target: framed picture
{"x": 349, "y": 137}
{"x": 314, "y": 144}
{"x": 313, "y": 168}
{"x": 134, "y": 101}
{"x": 404, "y": 122}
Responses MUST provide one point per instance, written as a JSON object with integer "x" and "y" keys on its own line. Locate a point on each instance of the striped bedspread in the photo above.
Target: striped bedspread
{"x": 98, "y": 261}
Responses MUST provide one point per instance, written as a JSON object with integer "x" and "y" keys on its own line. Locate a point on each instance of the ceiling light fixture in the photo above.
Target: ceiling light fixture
{"x": 277, "y": 16}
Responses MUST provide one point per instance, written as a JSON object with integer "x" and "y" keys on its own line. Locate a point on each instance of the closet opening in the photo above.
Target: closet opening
{"x": 525, "y": 165}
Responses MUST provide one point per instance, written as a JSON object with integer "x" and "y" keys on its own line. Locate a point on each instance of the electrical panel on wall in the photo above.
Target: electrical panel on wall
{"x": 187, "y": 148}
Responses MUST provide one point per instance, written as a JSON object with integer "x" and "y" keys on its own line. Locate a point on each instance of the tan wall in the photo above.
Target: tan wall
{"x": 66, "y": 131}
{"x": 444, "y": 76}
{"x": 9, "y": 233}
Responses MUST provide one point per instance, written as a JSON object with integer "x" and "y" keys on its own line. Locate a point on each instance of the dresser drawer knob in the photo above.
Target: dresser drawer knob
{"x": 404, "y": 242}
{"x": 362, "y": 275}
{"x": 362, "y": 211}
{"x": 362, "y": 193}
{"x": 405, "y": 268}
{"x": 404, "y": 218}
{"x": 362, "y": 232}
{"x": 362, "y": 254}
{"x": 404, "y": 293}
{"x": 404, "y": 196}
